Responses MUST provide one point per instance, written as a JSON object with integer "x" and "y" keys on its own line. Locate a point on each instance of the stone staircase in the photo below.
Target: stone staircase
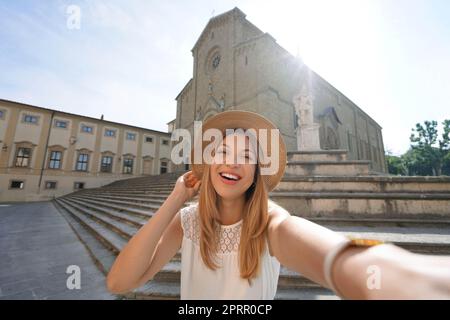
{"x": 105, "y": 218}
{"x": 326, "y": 184}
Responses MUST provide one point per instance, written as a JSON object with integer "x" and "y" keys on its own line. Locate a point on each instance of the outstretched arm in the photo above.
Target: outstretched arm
{"x": 302, "y": 246}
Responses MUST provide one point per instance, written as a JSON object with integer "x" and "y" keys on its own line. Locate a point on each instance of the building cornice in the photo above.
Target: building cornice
{"x": 58, "y": 112}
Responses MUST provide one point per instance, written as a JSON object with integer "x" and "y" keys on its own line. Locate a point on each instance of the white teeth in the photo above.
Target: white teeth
{"x": 231, "y": 176}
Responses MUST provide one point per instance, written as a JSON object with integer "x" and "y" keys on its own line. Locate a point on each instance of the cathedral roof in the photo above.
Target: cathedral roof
{"x": 236, "y": 12}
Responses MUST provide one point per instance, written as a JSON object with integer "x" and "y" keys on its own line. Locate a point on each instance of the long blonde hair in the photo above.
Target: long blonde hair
{"x": 254, "y": 225}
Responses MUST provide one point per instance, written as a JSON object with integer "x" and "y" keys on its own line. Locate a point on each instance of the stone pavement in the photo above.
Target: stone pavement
{"x": 36, "y": 247}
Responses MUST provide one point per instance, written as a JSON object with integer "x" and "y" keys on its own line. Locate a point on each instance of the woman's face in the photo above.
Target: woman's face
{"x": 233, "y": 167}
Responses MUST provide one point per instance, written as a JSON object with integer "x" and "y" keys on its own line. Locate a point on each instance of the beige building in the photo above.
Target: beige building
{"x": 46, "y": 153}
{"x": 237, "y": 66}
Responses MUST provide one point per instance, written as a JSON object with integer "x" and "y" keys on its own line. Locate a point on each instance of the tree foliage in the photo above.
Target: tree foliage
{"x": 428, "y": 154}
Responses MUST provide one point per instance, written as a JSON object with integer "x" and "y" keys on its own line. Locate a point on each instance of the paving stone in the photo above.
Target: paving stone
{"x": 38, "y": 245}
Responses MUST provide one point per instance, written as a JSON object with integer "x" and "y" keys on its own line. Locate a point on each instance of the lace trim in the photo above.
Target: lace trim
{"x": 229, "y": 236}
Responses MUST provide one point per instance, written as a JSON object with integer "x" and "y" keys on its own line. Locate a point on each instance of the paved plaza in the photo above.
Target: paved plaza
{"x": 37, "y": 246}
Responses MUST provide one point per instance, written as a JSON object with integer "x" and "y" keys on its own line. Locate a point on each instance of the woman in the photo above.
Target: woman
{"x": 234, "y": 239}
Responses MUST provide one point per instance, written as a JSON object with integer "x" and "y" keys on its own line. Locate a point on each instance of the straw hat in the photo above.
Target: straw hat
{"x": 245, "y": 120}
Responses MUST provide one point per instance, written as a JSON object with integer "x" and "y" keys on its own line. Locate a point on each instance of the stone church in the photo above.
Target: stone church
{"x": 237, "y": 66}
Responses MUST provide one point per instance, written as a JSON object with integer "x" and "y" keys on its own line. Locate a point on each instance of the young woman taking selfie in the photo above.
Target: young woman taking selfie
{"x": 234, "y": 238}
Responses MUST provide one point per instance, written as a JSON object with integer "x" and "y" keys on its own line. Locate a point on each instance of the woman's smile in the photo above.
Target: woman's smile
{"x": 229, "y": 178}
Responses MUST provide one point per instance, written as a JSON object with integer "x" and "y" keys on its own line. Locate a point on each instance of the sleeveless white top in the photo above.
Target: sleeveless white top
{"x": 200, "y": 282}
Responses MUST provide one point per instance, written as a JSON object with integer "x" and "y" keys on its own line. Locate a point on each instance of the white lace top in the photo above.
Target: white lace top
{"x": 200, "y": 282}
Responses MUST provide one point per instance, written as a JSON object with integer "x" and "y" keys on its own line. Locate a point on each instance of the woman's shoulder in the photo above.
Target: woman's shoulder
{"x": 188, "y": 215}
{"x": 276, "y": 214}
{"x": 189, "y": 208}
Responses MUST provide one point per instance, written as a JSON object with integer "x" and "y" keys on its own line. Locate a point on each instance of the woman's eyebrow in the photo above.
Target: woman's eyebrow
{"x": 245, "y": 150}
{"x": 226, "y": 146}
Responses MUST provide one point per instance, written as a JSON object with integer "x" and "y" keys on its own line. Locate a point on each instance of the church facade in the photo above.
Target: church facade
{"x": 239, "y": 67}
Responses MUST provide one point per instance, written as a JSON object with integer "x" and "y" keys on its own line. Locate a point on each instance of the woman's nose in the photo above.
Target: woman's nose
{"x": 233, "y": 165}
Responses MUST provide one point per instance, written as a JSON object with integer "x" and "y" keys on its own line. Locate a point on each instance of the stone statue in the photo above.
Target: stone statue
{"x": 222, "y": 102}
{"x": 199, "y": 114}
{"x": 307, "y": 130}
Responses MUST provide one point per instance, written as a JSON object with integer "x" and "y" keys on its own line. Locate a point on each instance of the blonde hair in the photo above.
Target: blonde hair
{"x": 254, "y": 225}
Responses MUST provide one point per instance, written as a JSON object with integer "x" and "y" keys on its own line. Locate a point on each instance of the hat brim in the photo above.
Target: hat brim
{"x": 245, "y": 120}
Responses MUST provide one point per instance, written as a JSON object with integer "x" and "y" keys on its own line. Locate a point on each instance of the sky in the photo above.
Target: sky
{"x": 390, "y": 57}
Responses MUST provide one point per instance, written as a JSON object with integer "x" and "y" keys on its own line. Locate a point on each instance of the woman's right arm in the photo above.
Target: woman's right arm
{"x": 154, "y": 244}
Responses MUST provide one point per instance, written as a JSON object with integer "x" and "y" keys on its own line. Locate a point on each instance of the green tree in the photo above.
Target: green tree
{"x": 415, "y": 164}
{"x": 395, "y": 164}
{"x": 425, "y": 151}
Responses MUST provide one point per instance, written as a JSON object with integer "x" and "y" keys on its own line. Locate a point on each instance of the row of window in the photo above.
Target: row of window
{"x": 20, "y": 184}
{"x": 112, "y": 133}
{"x": 23, "y": 159}
{"x": 85, "y": 128}
{"x": 83, "y": 162}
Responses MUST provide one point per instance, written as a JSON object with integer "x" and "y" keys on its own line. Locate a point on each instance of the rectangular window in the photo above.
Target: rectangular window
{"x": 87, "y": 129}
{"x": 61, "y": 124}
{"x": 106, "y": 165}
{"x": 17, "y": 184}
{"x": 2, "y": 114}
{"x": 131, "y": 136}
{"x": 78, "y": 185}
{"x": 163, "y": 167}
{"x": 30, "y": 119}
{"x": 165, "y": 142}
{"x": 148, "y": 139}
{"x": 128, "y": 165}
{"x": 110, "y": 133}
{"x": 23, "y": 157}
{"x": 55, "y": 160}
{"x": 50, "y": 184}
{"x": 82, "y": 162}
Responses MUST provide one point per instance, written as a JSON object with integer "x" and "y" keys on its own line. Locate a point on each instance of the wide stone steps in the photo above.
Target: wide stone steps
{"x": 333, "y": 220}
{"x": 363, "y": 195}
{"x": 141, "y": 185}
{"x": 386, "y": 208}
{"x": 101, "y": 254}
{"x": 380, "y": 222}
{"x": 131, "y": 196}
{"x": 129, "y": 193}
{"x": 92, "y": 228}
{"x": 130, "y": 219}
{"x": 382, "y": 184}
{"x": 171, "y": 290}
{"x": 149, "y": 205}
{"x": 141, "y": 189}
{"x": 133, "y": 200}
{"x": 122, "y": 228}
{"x": 311, "y": 204}
{"x": 126, "y": 232}
{"x": 162, "y": 178}
{"x": 394, "y": 235}
{"x": 138, "y": 212}
{"x": 106, "y": 236}
{"x": 328, "y": 168}
{"x": 364, "y": 204}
